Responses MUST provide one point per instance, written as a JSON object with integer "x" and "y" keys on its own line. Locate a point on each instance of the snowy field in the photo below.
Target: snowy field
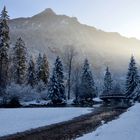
{"x": 127, "y": 127}
{"x": 19, "y": 120}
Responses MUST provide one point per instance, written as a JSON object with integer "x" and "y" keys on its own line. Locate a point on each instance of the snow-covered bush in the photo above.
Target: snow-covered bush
{"x": 44, "y": 95}
{"x": 23, "y": 92}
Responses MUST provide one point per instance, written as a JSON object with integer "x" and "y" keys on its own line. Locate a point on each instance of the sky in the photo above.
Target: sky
{"x": 121, "y": 16}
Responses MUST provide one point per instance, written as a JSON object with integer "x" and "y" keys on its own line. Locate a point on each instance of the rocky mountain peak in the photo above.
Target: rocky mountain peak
{"x": 47, "y": 11}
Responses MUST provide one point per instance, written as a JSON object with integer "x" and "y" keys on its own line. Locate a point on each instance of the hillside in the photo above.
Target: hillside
{"x": 51, "y": 33}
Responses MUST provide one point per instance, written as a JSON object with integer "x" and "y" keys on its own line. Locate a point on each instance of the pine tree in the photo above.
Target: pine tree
{"x": 4, "y": 14}
{"x": 38, "y": 66}
{"x": 87, "y": 86}
{"x": 108, "y": 86}
{"x": 44, "y": 71}
{"x": 132, "y": 78}
{"x": 54, "y": 89}
{"x": 136, "y": 93}
{"x": 56, "y": 85}
{"x": 4, "y": 46}
{"x": 4, "y": 29}
{"x": 60, "y": 77}
{"x": 32, "y": 80}
{"x": 40, "y": 84}
{"x": 20, "y": 62}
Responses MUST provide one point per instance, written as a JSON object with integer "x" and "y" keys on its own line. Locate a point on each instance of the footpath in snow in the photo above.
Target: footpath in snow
{"x": 126, "y": 127}
{"x": 19, "y": 120}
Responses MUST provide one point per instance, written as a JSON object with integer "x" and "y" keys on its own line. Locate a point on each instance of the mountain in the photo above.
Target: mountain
{"x": 51, "y": 33}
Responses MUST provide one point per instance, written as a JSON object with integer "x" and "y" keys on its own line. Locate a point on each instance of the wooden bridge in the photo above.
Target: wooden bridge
{"x": 114, "y": 96}
{"x": 115, "y": 99}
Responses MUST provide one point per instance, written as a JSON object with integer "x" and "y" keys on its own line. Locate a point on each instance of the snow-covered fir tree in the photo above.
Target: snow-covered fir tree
{"x": 60, "y": 77}
{"x": 136, "y": 93}
{"x": 4, "y": 28}
{"x": 4, "y": 46}
{"x": 132, "y": 78}
{"x": 4, "y": 14}
{"x": 53, "y": 89}
{"x": 31, "y": 76}
{"x": 56, "y": 88}
{"x": 20, "y": 62}
{"x": 108, "y": 82}
{"x": 87, "y": 86}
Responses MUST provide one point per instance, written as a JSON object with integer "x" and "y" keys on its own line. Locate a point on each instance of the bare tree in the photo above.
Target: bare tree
{"x": 69, "y": 56}
{"x": 76, "y": 80}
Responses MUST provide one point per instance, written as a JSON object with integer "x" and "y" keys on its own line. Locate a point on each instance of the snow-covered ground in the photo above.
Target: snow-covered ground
{"x": 19, "y": 120}
{"x": 127, "y": 127}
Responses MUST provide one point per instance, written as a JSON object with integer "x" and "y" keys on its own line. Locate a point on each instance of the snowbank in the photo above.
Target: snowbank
{"x": 127, "y": 127}
{"x": 97, "y": 99}
{"x": 35, "y": 103}
{"x": 19, "y": 120}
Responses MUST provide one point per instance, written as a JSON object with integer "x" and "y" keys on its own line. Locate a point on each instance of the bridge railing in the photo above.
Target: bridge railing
{"x": 113, "y": 96}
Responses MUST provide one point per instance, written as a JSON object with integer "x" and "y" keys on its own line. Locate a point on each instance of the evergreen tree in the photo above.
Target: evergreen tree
{"x": 60, "y": 77}
{"x": 56, "y": 85}
{"x": 32, "y": 80}
{"x": 4, "y": 14}
{"x": 4, "y": 29}
{"x": 132, "y": 78}
{"x": 38, "y": 66}
{"x": 20, "y": 62}
{"x": 108, "y": 86}
{"x": 44, "y": 71}
{"x": 136, "y": 93}
{"x": 53, "y": 89}
{"x": 87, "y": 84}
{"x": 4, "y": 46}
